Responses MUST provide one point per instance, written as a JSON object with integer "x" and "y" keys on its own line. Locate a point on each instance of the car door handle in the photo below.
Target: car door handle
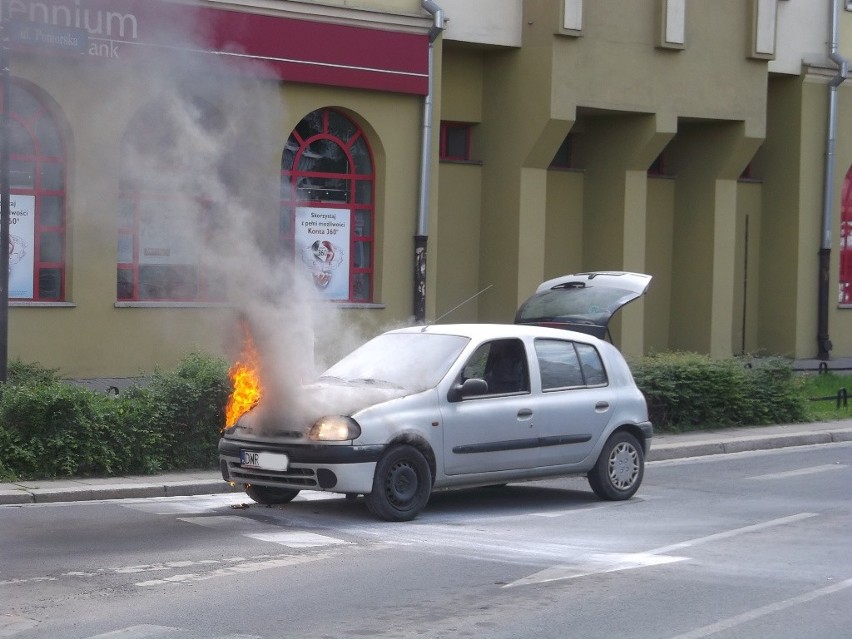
{"x": 524, "y": 413}
{"x": 601, "y": 406}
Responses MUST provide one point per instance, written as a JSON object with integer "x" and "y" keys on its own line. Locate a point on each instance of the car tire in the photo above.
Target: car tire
{"x": 402, "y": 485}
{"x": 270, "y": 496}
{"x": 619, "y": 469}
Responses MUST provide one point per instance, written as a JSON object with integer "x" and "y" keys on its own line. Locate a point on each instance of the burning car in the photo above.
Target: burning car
{"x": 421, "y": 409}
{"x": 583, "y": 302}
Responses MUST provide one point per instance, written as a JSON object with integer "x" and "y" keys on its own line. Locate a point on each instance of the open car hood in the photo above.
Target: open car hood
{"x": 583, "y": 302}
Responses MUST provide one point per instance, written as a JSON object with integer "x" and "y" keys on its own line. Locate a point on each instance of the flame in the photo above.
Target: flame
{"x": 245, "y": 379}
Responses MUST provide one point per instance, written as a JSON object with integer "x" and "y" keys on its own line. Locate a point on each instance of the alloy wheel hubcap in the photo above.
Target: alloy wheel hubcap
{"x": 623, "y": 466}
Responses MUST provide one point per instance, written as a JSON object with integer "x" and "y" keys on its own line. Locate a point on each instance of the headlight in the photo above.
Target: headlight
{"x": 334, "y": 429}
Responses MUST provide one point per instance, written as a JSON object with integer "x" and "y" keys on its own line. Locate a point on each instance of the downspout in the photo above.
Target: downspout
{"x": 422, "y": 236}
{"x": 823, "y": 342}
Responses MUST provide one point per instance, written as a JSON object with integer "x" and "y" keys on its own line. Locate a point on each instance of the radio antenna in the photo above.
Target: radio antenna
{"x": 457, "y": 306}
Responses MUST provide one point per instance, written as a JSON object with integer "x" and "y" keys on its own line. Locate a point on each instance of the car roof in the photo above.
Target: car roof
{"x": 495, "y": 331}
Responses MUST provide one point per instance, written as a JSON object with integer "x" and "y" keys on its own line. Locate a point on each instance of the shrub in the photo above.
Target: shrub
{"x": 687, "y": 391}
{"x": 177, "y": 416}
{"x": 52, "y": 429}
{"x": 49, "y": 428}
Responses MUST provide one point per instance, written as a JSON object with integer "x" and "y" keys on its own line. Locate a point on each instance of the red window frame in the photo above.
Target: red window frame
{"x": 358, "y": 194}
{"x": 452, "y": 128}
{"x": 845, "y": 292}
{"x": 32, "y": 123}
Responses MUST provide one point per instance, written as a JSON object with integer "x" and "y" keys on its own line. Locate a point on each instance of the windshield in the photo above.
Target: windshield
{"x": 413, "y": 361}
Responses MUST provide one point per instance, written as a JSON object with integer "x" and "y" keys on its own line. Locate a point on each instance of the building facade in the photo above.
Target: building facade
{"x": 177, "y": 165}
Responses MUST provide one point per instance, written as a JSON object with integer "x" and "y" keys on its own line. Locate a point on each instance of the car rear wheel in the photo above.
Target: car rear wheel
{"x": 270, "y": 496}
{"x": 619, "y": 470}
{"x": 401, "y": 486}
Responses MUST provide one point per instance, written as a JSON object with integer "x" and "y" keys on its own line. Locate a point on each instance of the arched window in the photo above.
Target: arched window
{"x": 327, "y": 185}
{"x": 37, "y": 190}
{"x": 164, "y": 218}
{"x": 845, "y": 296}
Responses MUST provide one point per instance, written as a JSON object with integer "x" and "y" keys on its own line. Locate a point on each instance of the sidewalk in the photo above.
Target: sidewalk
{"x": 664, "y": 446}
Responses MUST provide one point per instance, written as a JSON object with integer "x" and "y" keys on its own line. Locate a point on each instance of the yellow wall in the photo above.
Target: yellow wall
{"x": 563, "y": 241}
{"x": 660, "y": 247}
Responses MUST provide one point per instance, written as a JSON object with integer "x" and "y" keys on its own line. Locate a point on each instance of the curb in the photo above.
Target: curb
{"x": 114, "y": 491}
{"x": 663, "y": 452}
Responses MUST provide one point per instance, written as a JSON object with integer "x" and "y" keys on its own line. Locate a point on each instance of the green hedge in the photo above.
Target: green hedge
{"x": 50, "y": 428}
{"x": 687, "y": 391}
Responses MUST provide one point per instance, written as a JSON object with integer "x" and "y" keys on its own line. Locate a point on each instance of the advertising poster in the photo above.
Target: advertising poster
{"x": 322, "y": 245}
{"x": 21, "y": 246}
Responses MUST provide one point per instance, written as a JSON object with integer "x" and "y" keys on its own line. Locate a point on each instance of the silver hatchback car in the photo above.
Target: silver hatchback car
{"x": 428, "y": 408}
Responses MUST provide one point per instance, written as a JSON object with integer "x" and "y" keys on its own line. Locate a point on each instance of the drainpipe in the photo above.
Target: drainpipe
{"x": 5, "y": 205}
{"x": 421, "y": 239}
{"x": 823, "y": 342}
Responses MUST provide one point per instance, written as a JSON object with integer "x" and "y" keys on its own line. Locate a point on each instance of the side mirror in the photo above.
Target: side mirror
{"x": 470, "y": 387}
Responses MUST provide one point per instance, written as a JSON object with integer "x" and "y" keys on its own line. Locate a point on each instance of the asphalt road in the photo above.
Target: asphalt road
{"x": 744, "y": 545}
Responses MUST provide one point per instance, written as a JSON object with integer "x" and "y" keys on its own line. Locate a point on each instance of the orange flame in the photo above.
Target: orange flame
{"x": 245, "y": 379}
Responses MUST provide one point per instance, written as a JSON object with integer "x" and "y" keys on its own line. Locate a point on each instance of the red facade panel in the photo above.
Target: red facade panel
{"x": 269, "y": 46}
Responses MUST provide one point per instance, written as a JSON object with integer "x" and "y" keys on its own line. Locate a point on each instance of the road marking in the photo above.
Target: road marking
{"x": 612, "y": 562}
{"x": 733, "y": 533}
{"x": 13, "y": 582}
{"x": 142, "y": 631}
{"x": 757, "y": 613}
{"x": 147, "y": 631}
{"x": 281, "y": 561}
{"x": 197, "y": 505}
{"x": 263, "y": 532}
{"x": 11, "y": 625}
{"x": 296, "y": 539}
{"x": 800, "y": 472}
{"x": 595, "y": 564}
{"x": 572, "y": 511}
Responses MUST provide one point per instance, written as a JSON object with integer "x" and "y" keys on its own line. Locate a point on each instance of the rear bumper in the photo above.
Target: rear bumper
{"x": 344, "y": 469}
{"x": 647, "y": 429}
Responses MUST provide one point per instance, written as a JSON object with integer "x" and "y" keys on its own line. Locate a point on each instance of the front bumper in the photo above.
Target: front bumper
{"x": 337, "y": 468}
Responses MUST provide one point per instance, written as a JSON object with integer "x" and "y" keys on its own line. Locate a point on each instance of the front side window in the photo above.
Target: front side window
{"x": 37, "y": 199}
{"x": 164, "y": 219}
{"x": 502, "y": 364}
{"x": 327, "y": 209}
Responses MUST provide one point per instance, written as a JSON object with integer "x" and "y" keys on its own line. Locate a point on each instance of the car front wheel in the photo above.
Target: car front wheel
{"x": 619, "y": 470}
{"x": 401, "y": 486}
{"x": 270, "y": 496}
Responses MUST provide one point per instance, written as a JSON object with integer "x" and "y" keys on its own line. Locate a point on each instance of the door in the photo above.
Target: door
{"x": 576, "y": 402}
{"x": 494, "y": 431}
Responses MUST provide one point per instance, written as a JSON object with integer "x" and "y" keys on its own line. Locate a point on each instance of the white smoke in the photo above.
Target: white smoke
{"x": 211, "y": 147}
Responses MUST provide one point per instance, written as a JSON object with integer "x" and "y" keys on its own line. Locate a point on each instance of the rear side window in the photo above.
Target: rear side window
{"x": 566, "y": 364}
{"x": 592, "y": 365}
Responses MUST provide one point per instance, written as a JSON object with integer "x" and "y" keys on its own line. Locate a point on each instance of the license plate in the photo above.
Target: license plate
{"x": 263, "y": 460}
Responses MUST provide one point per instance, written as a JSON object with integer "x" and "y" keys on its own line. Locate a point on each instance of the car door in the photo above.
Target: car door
{"x": 494, "y": 431}
{"x": 576, "y": 401}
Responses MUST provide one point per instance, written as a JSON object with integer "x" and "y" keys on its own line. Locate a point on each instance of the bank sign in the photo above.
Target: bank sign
{"x": 283, "y": 48}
